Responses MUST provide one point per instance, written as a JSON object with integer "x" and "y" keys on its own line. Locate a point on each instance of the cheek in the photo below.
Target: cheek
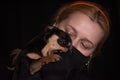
{"x": 87, "y": 52}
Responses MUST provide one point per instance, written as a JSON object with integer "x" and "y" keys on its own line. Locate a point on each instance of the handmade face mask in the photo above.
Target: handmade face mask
{"x": 77, "y": 59}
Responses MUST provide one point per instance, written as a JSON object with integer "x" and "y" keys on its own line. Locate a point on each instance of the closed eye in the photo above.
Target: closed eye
{"x": 86, "y": 44}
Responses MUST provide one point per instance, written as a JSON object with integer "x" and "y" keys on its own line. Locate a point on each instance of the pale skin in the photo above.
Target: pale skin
{"x": 85, "y": 33}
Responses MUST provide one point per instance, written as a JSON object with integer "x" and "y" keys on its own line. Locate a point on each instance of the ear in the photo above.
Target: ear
{"x": 33, "y": 55}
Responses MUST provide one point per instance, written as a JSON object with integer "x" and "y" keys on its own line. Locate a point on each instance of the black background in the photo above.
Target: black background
{"x": 22, "y": 20}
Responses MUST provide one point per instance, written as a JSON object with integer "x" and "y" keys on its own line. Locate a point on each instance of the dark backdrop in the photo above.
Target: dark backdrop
{"x": 22, "y": 20}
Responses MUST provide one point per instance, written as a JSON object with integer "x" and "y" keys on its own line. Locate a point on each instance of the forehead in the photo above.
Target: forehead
{"x": 85, "y": 27}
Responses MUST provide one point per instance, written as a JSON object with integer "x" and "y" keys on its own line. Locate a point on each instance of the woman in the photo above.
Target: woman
{"x": 88, "y": 26}
{"x": 86, "y": 23}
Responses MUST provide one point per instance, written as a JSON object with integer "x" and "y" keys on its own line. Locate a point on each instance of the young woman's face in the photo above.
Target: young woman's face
{"x": 84, "y": 32}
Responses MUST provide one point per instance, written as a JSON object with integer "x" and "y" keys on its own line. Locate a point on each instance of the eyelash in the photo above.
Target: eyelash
{"x": 70, "y": 33}
{"x": 85, "y": 45}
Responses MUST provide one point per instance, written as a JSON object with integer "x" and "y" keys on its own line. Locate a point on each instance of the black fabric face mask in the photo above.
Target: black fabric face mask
{"x": 64, "y": 69}
{"x": 72, "y": 60}
{"x": 77, "y": 59}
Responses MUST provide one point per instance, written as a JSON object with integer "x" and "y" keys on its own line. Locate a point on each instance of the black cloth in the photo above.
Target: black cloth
{"x": 70, "y": 67}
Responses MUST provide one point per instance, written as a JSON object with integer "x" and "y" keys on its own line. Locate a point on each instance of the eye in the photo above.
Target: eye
{"x": 70, "y": 32}
{"x": 86, "y": 45}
